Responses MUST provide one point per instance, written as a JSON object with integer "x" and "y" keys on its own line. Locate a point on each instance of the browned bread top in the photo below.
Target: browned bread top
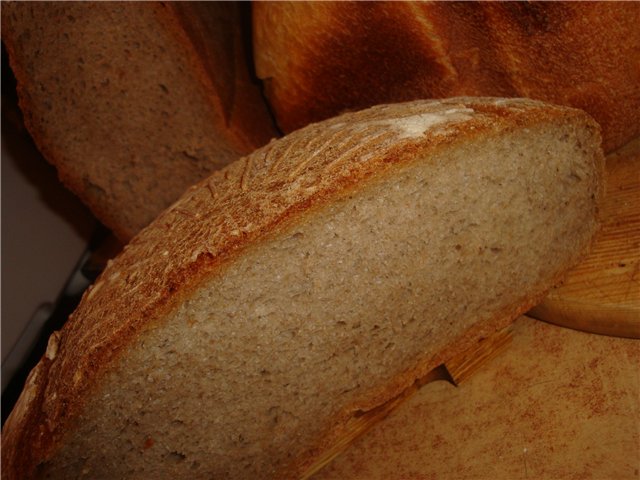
{"x": 291, "y": 227}
{"x": 318, "y": 59}
{"x": 134, "y": 101}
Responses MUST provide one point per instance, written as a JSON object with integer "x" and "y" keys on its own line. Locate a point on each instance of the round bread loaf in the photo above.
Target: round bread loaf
{"x": 318, "y": 59}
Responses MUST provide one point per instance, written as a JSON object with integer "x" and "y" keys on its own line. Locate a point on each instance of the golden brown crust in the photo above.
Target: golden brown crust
{"x": 321, "y": 58}
{"x": 233, "y": 210}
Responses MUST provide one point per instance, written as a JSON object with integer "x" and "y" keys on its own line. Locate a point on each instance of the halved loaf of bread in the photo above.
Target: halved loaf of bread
{"x": 134, "y": 102}
{"x": 312, "y": 280}
{"x": 318, "y": 59}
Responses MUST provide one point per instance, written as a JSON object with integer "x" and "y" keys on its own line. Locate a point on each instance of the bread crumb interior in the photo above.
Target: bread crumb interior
{"x": 248, "y": 372}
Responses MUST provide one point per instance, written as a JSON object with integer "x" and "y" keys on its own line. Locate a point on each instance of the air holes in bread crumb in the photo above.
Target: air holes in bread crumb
{"x": 176, "y": 456}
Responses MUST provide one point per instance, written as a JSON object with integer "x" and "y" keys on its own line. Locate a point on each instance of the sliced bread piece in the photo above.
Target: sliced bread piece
{"x": 133, "y": 102}
{"x": 314, "y": 279}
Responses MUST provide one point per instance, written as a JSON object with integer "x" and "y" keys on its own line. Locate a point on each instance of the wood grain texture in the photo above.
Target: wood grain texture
{"x": 557, "y": 404}
{"x": 602, "y": 294}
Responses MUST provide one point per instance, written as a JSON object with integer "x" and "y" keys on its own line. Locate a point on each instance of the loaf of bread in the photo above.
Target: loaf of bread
{"x": 557, "y": 404}
{"x": 307, "y": 282}
{"x": 133, "y": 102}
{"x": 318, "y": 59}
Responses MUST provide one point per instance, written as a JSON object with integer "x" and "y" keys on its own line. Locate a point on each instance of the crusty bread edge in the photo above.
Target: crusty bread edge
{"x": 30, "y": 430}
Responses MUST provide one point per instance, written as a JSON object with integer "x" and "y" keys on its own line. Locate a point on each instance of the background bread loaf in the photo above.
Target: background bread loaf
{"x": 318, "y": 59}
{"x": 135, "y": 101}
{"x": 316, "y": 278}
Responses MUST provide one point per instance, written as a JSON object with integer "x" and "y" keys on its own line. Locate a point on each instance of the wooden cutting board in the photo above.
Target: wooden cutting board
{"x": 558, "y": 403}
{"x": 602, "y": 294}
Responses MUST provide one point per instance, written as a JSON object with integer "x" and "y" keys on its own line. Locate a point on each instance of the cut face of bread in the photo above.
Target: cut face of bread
{"x": 352, "y": 257}
{"x": 134, "y": 102}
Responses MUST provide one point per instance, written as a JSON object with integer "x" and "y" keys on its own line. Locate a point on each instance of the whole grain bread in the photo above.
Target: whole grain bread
{"x": 311, "y": 280}
{"x": 318, "y": 59}
{"x": 133, "y": 102}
